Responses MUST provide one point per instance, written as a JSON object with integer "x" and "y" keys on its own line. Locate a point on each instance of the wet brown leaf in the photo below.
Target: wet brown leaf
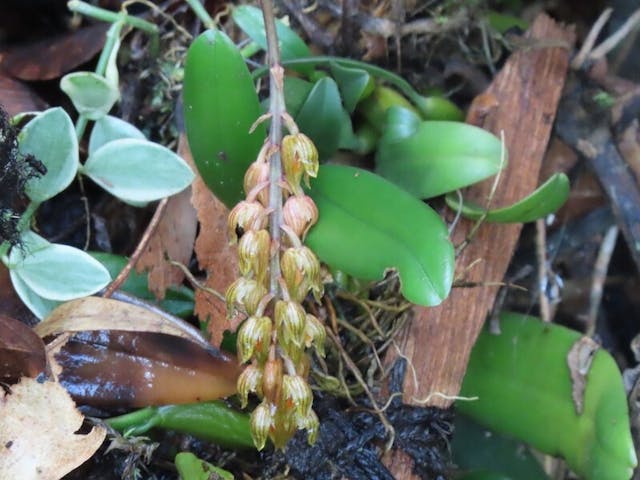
{"x": 38, "y": 422}
{"x": 137, "y": 369}
{"x": 21, "y": 351}
{"x": 579, "y": 361}
{"x": 17, "y": 97}
{"x": 216, "y": 256}
{"x": 53, "y": 57}
{"x": 10, "y": 303}
{"x": 173, "y": 239}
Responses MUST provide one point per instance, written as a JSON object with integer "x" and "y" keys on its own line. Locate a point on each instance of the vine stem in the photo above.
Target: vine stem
{"x": 276, "y": 110}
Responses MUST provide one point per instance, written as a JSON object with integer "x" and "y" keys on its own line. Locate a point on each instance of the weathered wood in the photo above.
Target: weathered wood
{"x": 524, "y": 98}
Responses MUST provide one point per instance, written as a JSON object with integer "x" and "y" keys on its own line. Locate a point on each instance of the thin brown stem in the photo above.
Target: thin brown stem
{"x": 276, "y": 110}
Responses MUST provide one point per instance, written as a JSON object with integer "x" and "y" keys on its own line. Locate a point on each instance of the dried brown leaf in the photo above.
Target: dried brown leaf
{"x": 53, "y": 57}
{"x": 21, "y": 351}
{"x": 38, "y": 422}
{"x": 215, "y": 256}
{"x": 16, "y": 96}
{"x": 173, "y": 238}
{"x": 95, "y": 313}
{"x": 579, "y": 361}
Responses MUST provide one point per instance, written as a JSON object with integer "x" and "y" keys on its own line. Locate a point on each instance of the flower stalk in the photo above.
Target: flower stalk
{"x": 278, "y": 272}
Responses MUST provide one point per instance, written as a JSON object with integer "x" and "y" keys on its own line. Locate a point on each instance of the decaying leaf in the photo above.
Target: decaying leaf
{"x": 18, "y": 97}
{"x": 579, "y": 360}
{"x": 21, "y": 351}
{"x": 173, "y": 239}
{"x": 38, "y": 421}
{"x": 113, "y": 354}
{"x": 216, "y": 256}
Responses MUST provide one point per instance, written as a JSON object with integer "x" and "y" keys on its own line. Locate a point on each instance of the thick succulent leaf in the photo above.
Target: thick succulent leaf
{"x": 137, "y": 170}
{"x": 321, "y": 117}
{"x": 434, "y": 157}
{"x": 368, "y": 226}
{"x": 108, "y": 129}
{"x": 220, "y": 105}
{"x": 250, "y": 20}
{"x": 39, "y": 306}
{"x": 56, "y": 272}
{"x": 51, "y": 138}
{"x": 296, "y": 91}
{"x": 91, "y": 94}
{"x": 546, "y": 199}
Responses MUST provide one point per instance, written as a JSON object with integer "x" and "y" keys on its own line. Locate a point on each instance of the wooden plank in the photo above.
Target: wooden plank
{"x": 521, "y": 102}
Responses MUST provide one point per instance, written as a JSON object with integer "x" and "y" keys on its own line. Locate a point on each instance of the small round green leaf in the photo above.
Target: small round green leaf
{"x": 368, "y": 226}
{"x": 40, "y": 307}
{"x": 546, "y": 199}
{"x": 56, "y": 272}
{"x": 137, "y": 170}
{"x": 251, "y": 22}
{"x": 321, "y": 117}
{"x": 91, "y": 94}
{"x": 438, "y": 157}
{"x": 108, "y": 129}
{"x": 51, "y": 138}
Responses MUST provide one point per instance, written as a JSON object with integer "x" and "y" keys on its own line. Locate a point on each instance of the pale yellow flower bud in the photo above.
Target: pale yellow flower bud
{"x": 245, "y": 295}
{"x": 262, "y": 424}
{"x": 257, "y": 174}
{"x": 246, "y": 216}
{"x": 301, "y": 273}
{"x": 253, "y": 254}
{"x": 314, "y": 334}
{"x": 299, "y": 156}
{"x": 300, "y": 213}
{"x": 296, "y": 394}
{"x": 272, "y": 380}
{"x": 311, "y": 424}
{"x": 249, "y": 381}
{"x": 254, "y": 338}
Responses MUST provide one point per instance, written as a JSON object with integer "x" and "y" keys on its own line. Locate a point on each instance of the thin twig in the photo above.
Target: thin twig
{"x": 590, "y": 41}
{"x": 140, "y": 248}
{"x": 195, "y": 282}
{"x": 610, "y": 43}
{"x": 543, "y": 270}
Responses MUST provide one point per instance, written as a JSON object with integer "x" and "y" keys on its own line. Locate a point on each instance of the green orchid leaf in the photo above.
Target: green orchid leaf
{"x": 354, "y": 83}
{"x": 528, "y": 365}
{"x": 250, "y": 21}
{"x": 440, "y": 108}
{"x": 119, "y": 165}
{"x": 434, "y": 157}
{"x": 321, "y": 117}
{"x": 220, "y": 106}
{"x": 474, "y": 448}
{"x": 177, "y": 300}
{"x": 545, "y": 200}
{"x": 191, "y": 467}
{"x": 368, "y": 226}
{"x": 51, "y": 138}
{"x": 108, "y": 129}
{"x": 375, "y": 107}
{"x": 296, "y": 92}
{"x": 56, "y": 272}
{"x": 92, "y": 95}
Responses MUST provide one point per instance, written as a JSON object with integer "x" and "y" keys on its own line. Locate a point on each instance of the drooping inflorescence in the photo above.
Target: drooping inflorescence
{"x": 277, "y": 331}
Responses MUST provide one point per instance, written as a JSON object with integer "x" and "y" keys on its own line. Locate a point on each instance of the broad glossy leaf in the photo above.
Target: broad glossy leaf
{"x": 546, "y": 199}
{"x": 321, "y": 117}
{"x": 434, "y": 157}
{"x": 296, "y": 91}
{"x": 108, "y": 129}
{"x": 56, "y": 272}
{"x": 249, "y": 19}
{"x": 368, "y": 226}
{"x": 220, "y": 106}
{"x": 91, "y": 94}
{"x": 51, "y": 138}
{"x": 137, "y": 170}
{"x": 354, "y": 84}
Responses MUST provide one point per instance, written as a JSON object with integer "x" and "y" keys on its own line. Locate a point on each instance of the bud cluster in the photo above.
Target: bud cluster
{"x": 277, "y": 330}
